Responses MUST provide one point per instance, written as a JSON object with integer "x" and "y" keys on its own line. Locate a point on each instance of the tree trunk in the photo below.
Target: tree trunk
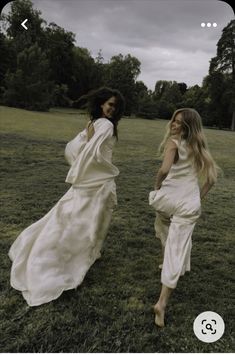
{"x": 233, "y": 122}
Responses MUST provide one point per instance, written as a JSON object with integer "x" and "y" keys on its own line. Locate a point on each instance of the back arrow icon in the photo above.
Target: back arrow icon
{"x": 23, "y": 24}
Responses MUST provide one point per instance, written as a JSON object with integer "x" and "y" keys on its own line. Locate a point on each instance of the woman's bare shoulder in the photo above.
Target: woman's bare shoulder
{"x": 172, "y": 142}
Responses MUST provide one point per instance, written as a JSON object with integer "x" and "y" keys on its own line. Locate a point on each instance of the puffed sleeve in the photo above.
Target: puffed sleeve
{"x": 75, "y": 146}
{"x": 91, "y": 166}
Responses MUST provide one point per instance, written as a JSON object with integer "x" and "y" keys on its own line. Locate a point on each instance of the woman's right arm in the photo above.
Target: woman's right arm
{"x": 205, "y": 189}
{"x": 168, "y": 160}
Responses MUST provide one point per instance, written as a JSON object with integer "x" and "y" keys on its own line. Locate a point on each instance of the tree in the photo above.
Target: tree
{"x": 99, "y": 71}
{"x": 28, "y": 87}
{"x": 8, "y": 63}
{"x": 168, "y": 96}
{"x": 121, "y": 73}
{"x": 197, "y": 98}
{"x": 21, "y": 39}
{"x": 224, "y": 63}
{"x": 60, "y": 96}
{"x": 172, "y": 94}
{"x": 160, "y": 87}
{"x": 145, "y": 106}
{"x": 87, "y": 74}
{"x": 59, "y": 45}
{"x": 216, "y": 103}
{"x": 182, "y": 87}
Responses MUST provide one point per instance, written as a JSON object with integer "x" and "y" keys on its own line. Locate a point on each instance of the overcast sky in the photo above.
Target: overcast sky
{"x": 165, "y": 35}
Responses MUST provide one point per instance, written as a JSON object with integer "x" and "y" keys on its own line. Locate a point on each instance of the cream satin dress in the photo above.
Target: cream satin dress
{"x": 55, "y": 253}
{"x": 178, "y": 206}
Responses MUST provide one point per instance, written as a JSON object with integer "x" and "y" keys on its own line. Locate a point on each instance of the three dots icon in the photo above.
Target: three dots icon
{"x": 209, "y": 24}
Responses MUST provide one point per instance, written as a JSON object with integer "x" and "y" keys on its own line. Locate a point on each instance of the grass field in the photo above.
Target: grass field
{"x": 111, "y": 310}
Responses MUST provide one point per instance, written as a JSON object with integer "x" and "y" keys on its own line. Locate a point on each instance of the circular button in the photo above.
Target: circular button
{"x": 208, "y": 327}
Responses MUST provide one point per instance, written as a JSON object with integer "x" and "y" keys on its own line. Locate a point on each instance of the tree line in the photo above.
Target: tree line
{"x": 42, "y": 67}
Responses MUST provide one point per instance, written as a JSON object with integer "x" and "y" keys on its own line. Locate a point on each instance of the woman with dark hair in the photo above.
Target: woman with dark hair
{"x": 55, "y": 253}
{"x": 100, "y": 103}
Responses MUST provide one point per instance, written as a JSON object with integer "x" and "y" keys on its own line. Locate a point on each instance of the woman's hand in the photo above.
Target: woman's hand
{"x": 205, "y": 188}
{"x": 157, "y": 187}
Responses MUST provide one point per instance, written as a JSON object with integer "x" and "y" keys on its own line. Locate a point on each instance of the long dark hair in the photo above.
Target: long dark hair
{"x": 96, "y": 98}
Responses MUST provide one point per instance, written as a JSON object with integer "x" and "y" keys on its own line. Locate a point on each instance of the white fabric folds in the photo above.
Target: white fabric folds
{"x": 55, "y": 253}
{"x": 178, "y": 207}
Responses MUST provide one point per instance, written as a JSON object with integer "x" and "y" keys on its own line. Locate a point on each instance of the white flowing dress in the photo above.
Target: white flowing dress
{"x": 55, "y": 253}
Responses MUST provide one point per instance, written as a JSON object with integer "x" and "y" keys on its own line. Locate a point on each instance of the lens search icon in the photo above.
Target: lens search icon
{"x": 208, "y": 327}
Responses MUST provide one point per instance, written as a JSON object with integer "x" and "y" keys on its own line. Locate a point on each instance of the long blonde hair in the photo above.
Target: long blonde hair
{"x": 192, "y": 132}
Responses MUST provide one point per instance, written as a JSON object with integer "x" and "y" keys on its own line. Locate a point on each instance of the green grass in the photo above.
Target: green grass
{"x": 111, "y": 310}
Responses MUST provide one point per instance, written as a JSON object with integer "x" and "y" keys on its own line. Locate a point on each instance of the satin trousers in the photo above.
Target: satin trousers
{"x": 174, "y": 225}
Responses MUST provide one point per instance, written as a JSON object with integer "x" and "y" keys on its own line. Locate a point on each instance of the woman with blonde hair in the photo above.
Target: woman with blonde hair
{"x": 177, "y": 197}
{"x": 55, "y": 253}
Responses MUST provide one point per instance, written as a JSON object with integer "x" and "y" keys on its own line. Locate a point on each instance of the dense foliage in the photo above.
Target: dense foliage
{"x": 42, "y": 67}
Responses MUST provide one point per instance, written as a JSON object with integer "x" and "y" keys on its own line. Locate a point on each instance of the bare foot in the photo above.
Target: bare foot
{"x": 159, "y": 315}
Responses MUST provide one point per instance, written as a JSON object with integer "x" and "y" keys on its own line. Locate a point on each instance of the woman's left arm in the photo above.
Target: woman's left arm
{"x": 168, "y": 160}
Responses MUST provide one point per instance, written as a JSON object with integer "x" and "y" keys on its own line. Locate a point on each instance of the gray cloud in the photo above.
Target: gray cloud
{"x": 165, "y": 35}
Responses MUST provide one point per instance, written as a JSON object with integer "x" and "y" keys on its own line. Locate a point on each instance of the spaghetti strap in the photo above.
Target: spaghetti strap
{"x": 176, "y": 141}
